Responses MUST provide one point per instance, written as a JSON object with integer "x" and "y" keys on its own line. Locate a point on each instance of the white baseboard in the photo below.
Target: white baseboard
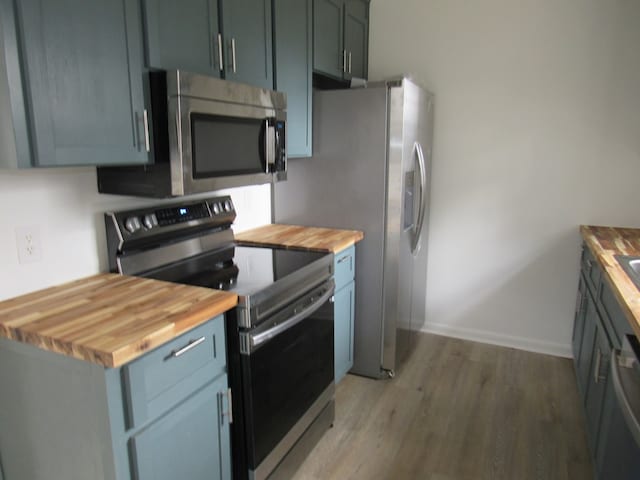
{"x": 493, "y": 338}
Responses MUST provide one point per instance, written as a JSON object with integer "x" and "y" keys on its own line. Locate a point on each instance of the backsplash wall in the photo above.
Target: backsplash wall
{"x": 65, "y": 208}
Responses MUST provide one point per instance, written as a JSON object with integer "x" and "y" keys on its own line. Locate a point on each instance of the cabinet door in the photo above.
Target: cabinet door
{"x": 356, "y": 37}
{"x": 578, "y": 323}
{"x": 597, "y": 384}
{"x": 190, "y": 442}
{"x": 293, "y": 70}
{"x": 343, "y": 330}
{"x": 247, "y": 29}
{"x": 182, "y": 35}
{"x": 583, "y": 366}
{"x": 82, "y": 67}
{"x": 328, "y": 55}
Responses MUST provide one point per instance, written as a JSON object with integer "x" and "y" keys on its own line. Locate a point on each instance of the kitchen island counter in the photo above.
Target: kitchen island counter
{"x": 605, "y": 243}
{"x": 109, "y": 319}
{"x": 299, "y": 237}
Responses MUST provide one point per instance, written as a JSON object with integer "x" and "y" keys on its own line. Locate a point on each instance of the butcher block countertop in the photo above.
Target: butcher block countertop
{"x": 605, "y": 242}
{"x": 295, "y": 236}
{"x": 109, "y": 319}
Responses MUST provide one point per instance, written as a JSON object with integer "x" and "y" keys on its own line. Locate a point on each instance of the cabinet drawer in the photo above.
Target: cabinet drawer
{"x": 345, "y": 267}
{"x": 171, "y": 372}
{"x": 591, "y": 269}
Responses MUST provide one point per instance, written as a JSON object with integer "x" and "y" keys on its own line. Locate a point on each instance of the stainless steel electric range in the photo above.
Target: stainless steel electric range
{"x": 279, "y": 338}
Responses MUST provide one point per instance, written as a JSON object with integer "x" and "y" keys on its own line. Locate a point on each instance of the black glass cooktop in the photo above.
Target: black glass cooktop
{"x": 243, "y": 270}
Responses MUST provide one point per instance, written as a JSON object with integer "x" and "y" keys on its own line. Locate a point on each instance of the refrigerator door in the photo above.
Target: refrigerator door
{"x": 417, "y": 118}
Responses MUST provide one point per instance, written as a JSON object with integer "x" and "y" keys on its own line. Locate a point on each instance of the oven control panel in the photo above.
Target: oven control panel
{"x": 172, "y": 215}
{"x": 145, "y": 223}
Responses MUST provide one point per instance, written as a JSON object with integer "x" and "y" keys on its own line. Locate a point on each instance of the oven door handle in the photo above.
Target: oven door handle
{"x": 253, "y": 341}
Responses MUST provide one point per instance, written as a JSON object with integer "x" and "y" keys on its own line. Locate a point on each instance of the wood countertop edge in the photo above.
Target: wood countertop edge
{"x": 622, "y": 286}
{"x": 346, "y": 238}
{"x": 125, "y": 351}
{"x": 332, "y": 249}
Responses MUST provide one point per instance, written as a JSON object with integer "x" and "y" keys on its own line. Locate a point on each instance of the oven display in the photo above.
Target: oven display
{"x": 170, "y": 216}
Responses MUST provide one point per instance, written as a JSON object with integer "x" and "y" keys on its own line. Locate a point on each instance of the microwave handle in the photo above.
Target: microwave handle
{"x": 270, "y": 144}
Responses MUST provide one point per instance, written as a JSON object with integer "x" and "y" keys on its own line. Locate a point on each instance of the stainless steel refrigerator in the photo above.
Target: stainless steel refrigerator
{"x": 370, "y": 171}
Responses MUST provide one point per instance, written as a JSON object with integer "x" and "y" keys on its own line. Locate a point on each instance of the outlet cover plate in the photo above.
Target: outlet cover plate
{"x": 28, "y": 244}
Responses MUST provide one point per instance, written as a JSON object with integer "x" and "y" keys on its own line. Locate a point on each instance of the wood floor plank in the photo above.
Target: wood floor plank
{"x": 457, "y": 410}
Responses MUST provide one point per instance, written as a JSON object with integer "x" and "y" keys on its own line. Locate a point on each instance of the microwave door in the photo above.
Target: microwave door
{"x": 224, "y": 145}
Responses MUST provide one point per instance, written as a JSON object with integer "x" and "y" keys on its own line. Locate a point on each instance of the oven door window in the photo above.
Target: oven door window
{"x": 286, "y": 376}
{"x": 223, "y": 146}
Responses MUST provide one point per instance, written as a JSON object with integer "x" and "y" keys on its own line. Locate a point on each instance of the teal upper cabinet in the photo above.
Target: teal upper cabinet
{"x": 341, "y": 38}
{"x": 224, "y": 38}
{"x": 327, "y": 37}
{"x": 356, "y": 38}
{"x": 183, "y": 35}
{"x": 75, "y": 81}
{"x": 293, "y": 54}
{"x": 247, "y": 43}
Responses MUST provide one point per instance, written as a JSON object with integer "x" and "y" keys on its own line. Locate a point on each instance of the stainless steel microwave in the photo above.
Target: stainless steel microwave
{"x": 204, "y": 134}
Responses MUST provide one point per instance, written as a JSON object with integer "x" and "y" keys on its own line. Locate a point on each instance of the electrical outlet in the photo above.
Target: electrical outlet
{"x": 28, "y": 244}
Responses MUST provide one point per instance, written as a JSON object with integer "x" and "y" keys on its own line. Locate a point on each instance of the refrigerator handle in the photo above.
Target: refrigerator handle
{"x": 421, "y": 204}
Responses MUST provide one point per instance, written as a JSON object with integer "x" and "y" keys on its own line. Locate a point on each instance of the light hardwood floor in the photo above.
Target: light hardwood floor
{"x": 457, "y": 410}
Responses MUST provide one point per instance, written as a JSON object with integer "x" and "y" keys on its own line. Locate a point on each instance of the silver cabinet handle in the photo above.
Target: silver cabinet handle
{"x": 145, "y": 121}
{"x": 220, "y": 63}
{"x": 596, "y": 371}
{"x": 349, "y": 62}
{"x": 229, "y": 412}
{"x": 142, "y": 138}
{"x": 344, "y": 259}
{"x": 192, "y": 344}
{"x": 233, "y": 55}
{"x": 344, "y": 61}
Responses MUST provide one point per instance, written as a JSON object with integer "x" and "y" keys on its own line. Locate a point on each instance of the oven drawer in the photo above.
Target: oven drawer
{"x": 345, "y": 266}
{"x": 162, "y": 378}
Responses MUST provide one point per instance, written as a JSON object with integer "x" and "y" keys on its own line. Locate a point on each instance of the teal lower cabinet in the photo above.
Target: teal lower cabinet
{"x": 163, "y": 416}
{"x": 344, "y": 304}
{"x": 186, "y": 442}
{"x": 343, "y": 330}
{"x": 599, "y": 327}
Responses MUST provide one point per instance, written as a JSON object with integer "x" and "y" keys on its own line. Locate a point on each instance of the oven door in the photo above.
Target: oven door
{"x": 216, "y": 145}
{"x": 288, "y": 374}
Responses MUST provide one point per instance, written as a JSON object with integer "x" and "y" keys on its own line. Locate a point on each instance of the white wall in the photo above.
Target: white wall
{"x": 537, "y": 131}
{"x": 67, "y": 210}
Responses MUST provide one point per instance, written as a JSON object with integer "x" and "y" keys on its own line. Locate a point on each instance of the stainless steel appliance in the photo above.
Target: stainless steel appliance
{"x": 370, "y": 171}
{"x": 618, "y": 446}
{"x": 205, "y": 134}
{"x": 279, "y": 338}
